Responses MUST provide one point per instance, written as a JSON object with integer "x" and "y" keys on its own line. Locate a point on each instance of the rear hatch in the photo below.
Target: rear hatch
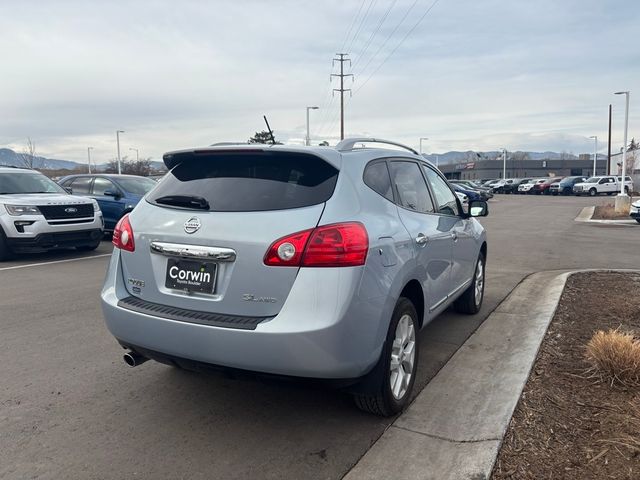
{"x": 202, "y": 234}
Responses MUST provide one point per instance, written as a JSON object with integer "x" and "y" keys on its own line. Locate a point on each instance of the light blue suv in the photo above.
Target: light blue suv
{"x": 298, "y": 261}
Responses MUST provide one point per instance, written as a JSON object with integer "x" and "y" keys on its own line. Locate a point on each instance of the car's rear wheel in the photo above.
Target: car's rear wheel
{"x": 471, "y": 300}
{"x": 626, "y": 190}
{"x": 397, "y": 369}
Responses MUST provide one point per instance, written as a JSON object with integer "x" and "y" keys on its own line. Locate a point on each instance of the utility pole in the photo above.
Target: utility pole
{"x": 595, "y": 154}
{"x": 118, "y": 132}
{"x": 504, "y": 163}
{"x": 342, "y": 59}
{"x": 137, "y": 155}
{"x": 89, "y": 157}
{"x": 609, "y": 146}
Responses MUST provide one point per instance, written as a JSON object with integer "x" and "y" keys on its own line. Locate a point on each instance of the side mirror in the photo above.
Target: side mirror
{"x": 69, "y": 190}
{"x": 478, "y": 208}
{"x": 111, "y": 193}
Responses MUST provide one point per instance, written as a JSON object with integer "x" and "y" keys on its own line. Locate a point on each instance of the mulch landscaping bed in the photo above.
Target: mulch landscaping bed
{"x": 569, "y": 424}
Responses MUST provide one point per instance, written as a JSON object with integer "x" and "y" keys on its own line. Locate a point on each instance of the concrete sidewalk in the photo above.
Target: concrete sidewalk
{"x": 454, "y": 428}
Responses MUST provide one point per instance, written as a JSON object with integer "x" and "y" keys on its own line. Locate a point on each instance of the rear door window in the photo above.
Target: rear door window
{"x": 101, "y": 185}
{"x": 81, "y": 185}
{"x": 376, "y": 177}
{"x": 410, "y": 186}
{"x": 240, "y": 181}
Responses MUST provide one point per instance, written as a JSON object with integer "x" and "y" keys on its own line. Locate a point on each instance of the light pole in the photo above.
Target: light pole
{"x": 504, "y": 163}
{"x": 118, "y": 132}
{"x": 307, "y": 140}
{"x": 595, "y": 154}
{"x": 421, "y": 139}
{"x": 624, "y": 145}
{"x": 89, "y": 157}
{"x": 137, "y": 157}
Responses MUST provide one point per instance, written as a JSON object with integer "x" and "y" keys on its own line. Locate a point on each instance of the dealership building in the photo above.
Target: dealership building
{"x": 486, "y": 169}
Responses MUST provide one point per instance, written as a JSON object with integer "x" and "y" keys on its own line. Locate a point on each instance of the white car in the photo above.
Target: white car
{"x": 608, "y": 184}
{"x": 634, "y": 211}
{"x": 37, "y": 214}
{"x": 526, "y": 187}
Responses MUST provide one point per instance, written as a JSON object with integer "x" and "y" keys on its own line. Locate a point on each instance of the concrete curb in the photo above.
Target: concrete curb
{"x": 587, "y": 212}
{"x": 455, "y": 426}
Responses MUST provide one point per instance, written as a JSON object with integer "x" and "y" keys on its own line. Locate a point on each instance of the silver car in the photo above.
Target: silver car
{"x": 298, "y": 261}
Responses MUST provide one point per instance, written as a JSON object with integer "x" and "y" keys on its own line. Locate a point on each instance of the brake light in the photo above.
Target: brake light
{"x": 336, "y": 245}
{"x": 122, "y": 236}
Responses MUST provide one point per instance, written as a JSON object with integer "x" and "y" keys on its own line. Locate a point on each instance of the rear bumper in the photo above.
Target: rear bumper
{"x": 322, "y": 331}
{"x": 51, "y": 240}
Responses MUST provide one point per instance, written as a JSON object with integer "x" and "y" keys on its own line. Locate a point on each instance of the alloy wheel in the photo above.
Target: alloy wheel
{"x": 402, "y": 357}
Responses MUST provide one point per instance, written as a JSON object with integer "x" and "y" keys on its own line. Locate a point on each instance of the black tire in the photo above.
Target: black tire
{"x": 382, "y": 401}
{"x": 88, "y": 248}
{"x": 5, "y": 250}
{"x": 593, "y": 192}
{"x": 626, "y": 190}
{"x": 469, "y": 302}
{"x": 609, "y": 193}
{"x": 638, "y": 220}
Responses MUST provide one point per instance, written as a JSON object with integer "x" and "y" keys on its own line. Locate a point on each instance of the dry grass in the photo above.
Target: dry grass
{"x": 615, "y": 356}
{"x": 607, "y": 211}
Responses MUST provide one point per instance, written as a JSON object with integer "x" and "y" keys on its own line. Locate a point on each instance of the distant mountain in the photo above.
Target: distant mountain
{"x": 11, "y": 158}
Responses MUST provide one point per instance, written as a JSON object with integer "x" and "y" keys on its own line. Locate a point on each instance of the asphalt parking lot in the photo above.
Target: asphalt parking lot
{"x": 69, "y": 408}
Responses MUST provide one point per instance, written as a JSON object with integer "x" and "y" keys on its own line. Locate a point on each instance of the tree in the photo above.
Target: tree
{"x": 263, "y": 137}
{"x": 28, "y": 155}
{"x": 324, "y": 143}
{"x": 633, "y": 145}
{"x": 140, "y": 167}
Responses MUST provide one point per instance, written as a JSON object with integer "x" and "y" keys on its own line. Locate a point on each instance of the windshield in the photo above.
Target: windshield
{"x": 137, "y": 186}
{"x": 592, "y": 180}
{"x": 27, "y": 182}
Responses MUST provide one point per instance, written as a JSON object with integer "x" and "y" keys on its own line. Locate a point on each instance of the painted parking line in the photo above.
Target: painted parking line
{"x": 15, "y": 267}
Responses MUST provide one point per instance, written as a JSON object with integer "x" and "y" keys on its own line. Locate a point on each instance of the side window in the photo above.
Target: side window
{"x": 413, "y": 193}
{"x": 376, "y": 177}
{"x": 101, "y": 185}
{"x": 445, "y": 199}
{"x": 81, "y": 185}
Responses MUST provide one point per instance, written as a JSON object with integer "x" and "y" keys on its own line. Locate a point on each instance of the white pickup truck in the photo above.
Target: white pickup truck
{"x": 608, "y": 184}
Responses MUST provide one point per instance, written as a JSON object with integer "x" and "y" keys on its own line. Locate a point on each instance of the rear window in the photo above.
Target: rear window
{"x": 250, "y": 181}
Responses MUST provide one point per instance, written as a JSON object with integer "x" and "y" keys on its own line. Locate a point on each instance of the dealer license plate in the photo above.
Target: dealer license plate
{"x": 191, "y": 275}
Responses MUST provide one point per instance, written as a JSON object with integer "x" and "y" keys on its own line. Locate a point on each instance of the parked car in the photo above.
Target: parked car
{"x": 299, "y": 261}
{"x": 464, "y": 200}
{"x": 486, "y": 192}
{"x": 473, "y": 195}
{"x": 634, "y": 211}
{"x": 565, "y": 186}
{"x": 37, "y": 214}
{"x": 542, "y": 188}
{"x": 608, "y": 184}
{"x": 527, "y": 188}
{"x": 503, "y": 185}
{"x": 117, "y": 195}
{"x": 513, "y": 187}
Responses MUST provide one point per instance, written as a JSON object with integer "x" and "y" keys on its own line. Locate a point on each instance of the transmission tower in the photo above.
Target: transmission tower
{"x": 341, "y": 58}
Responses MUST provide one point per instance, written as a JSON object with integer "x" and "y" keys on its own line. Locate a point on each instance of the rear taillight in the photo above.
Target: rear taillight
{"x": 337, "y": 245}
{"x": 123, "y": 235}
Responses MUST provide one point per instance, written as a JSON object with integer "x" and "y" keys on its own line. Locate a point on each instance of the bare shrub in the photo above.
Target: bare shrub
{"x": 615, "y": 356}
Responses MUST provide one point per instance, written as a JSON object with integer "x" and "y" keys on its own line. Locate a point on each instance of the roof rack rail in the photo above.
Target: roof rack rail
{"x": 348, "y": 143}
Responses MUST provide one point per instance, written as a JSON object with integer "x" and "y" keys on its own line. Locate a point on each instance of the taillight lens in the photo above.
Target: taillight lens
{"x": 123, "y": 235}
{"x": 337, "y": 245}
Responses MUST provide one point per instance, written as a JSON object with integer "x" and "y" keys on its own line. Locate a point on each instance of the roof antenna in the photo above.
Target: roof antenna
{"x": 273, "y": 140}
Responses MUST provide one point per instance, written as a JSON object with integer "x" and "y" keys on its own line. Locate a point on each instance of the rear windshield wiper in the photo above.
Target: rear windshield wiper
{"x": 184, "y": 201}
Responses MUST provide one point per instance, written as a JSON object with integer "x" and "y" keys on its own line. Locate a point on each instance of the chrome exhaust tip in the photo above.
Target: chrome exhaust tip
{"x": 133, "y": 359}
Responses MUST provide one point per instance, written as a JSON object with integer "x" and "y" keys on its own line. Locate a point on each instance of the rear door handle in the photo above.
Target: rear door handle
{"x": 422, "y": 239}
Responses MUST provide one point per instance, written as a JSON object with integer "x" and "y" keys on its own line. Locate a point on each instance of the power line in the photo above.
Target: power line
{"x": 399, "y": 44}
{"x": 374, "y": 33}
{"x": 362, "y": 20}
{"x": 393, "y": 32}
{"x": 353, "y": 22}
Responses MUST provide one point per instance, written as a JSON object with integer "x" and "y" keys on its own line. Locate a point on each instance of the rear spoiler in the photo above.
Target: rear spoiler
{"x": 172, "y": 159}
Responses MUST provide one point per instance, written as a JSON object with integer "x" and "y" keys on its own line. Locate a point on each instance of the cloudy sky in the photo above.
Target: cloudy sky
{"x": 469, "y": 74}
